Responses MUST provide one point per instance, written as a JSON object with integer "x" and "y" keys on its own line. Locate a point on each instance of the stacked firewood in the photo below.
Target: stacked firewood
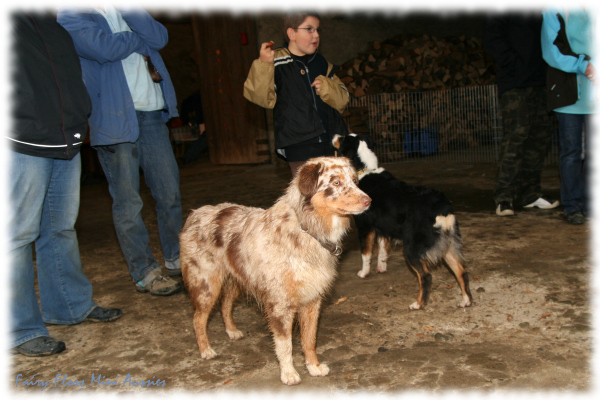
{"x": 417, "y": 63}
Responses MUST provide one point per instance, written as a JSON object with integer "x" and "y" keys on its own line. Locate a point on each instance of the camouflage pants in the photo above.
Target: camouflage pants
{"x": 527, "y": 135}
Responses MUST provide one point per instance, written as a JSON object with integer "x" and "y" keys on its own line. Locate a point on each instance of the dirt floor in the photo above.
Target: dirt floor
{"x": 529, "y": 330}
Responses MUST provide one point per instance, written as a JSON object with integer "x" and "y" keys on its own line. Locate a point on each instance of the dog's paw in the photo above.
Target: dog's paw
{"x": 318, "y": 370}
{"x": 414, "y": 306}
{"x": 290, "y": 377}
{"x": 465, "y": 303}
{"x": 362, "y": 273}
{"x": 208, "y": 354}
{"x": 235, "y": 335}
{"x": 381, "y": 268}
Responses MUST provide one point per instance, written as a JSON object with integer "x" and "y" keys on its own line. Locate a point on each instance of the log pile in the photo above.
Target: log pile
{"x": 421, "y": 84}
{"x": 417, "y": 63}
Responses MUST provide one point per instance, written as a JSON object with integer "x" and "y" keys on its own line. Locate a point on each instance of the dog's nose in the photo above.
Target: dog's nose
{"x": 366, "y": 201}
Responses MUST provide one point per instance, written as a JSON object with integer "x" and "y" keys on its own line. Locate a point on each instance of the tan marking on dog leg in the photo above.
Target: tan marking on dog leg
{"x": 308, "y": 317}
{"x": 283, "y": 349}
{"x": 231, "y": 292}
{"x": 281, "y": 319}
{"x": 203, "y": 295}
{"x": 200, "y": 320}
{"x": 459, "y": 271}
{"x": 367, "y": 253}
{"x": 417, "y": 305}
{"x": 383, "y": 255}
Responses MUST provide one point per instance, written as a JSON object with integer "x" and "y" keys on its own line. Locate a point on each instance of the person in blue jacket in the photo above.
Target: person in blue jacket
{"x": 132, "y": 99}
{"x": 567, "y": 47}
{"x": 49, "y": 111}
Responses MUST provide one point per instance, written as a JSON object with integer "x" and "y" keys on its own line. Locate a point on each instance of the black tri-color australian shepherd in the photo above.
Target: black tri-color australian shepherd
{"x": 421, "y": 218}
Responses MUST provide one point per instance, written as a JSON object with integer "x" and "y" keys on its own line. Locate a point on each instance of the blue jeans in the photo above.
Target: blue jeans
{"x": 121, "y": 164}
{"x": 44, "y": 203}
{"x": 575, "y": 161}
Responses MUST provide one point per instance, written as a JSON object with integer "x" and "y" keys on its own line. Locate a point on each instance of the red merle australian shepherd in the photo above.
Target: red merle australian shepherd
{"x": 285, "y": 256}
{"x": 421, "y": 218}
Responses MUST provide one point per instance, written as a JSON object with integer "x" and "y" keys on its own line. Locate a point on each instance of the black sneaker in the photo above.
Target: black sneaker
{"x": 505, "y": 208}
{"x": 576, "y": 218}
{"x": 101, "y": 314}
{"x": 41, "y": 346}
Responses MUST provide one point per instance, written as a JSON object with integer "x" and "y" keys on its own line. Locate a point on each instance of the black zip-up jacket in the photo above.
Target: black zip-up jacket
{"x": 299, "y": 112}
{"x": 514, "y": 41}
{"x": 50, "y": 104}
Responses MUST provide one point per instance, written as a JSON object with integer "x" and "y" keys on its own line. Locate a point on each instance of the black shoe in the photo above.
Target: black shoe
{"x": 101, "y": 314}
{"x": 575, "y": 218}
{"x": 41, "y": 346}
{"x": 505, "y": 208}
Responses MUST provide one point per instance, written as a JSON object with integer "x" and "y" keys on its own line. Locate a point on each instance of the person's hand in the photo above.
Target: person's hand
{"x": 153, "y": 71}
{"x": 267, "y": 54}
{"x": 317, "y": 85}
{"x": 590, "y": 73}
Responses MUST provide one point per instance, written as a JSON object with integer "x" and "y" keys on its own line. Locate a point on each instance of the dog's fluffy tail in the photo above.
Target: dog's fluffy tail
{"x": 446, "y": 223}
{"x": 450, "y": 240}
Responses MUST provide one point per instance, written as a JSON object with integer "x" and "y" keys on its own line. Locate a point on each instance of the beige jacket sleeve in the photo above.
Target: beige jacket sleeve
{"x": 333, "y": 92}
{"x": 259, "y": 87}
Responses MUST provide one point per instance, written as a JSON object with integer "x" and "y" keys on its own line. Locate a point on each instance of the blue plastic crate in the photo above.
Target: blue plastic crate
{"x": 422, "y": 142}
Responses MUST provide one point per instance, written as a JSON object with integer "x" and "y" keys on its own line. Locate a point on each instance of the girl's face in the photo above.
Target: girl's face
{"x": 302, "y": 41}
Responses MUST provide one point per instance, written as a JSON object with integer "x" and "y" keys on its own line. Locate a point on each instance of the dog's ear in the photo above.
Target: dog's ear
{"x": 337, "y": 141}
{"x": 308, "y": 178}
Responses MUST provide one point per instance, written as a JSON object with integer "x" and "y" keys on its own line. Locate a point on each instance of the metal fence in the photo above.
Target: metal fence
{"x": 461, "y": 124}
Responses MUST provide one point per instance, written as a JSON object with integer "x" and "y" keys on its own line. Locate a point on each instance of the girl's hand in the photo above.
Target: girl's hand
{"x": 590, "y": 73}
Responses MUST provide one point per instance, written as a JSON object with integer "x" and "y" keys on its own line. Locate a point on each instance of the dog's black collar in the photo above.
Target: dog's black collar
{"x": 330, "y": 247}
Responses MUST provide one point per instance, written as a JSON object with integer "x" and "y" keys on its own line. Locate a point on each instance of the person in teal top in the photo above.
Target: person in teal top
{"x": 567, "y": 47}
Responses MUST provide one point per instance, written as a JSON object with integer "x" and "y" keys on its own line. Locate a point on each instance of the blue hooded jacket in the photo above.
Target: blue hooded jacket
{"x": 579, "y": 32}
{"x": 113, "y": 119}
